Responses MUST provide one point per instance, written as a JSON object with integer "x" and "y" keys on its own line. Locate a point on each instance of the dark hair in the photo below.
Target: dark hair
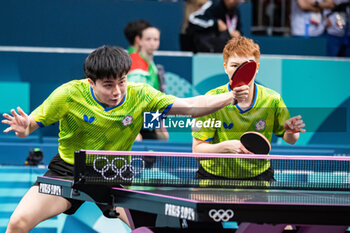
{"x": 134, "y": 29}
{"x": 107, "y": 62}
{"x": 141, "y": 35}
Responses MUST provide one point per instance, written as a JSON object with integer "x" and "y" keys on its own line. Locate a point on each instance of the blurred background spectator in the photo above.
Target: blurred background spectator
{"x": 306, "y": 17}
{"x": 271, "y": 17}
{"x": 132, "y": 32}
{"x": 144, "y": 70}
{"x": 186, "y": 43}
{"x": 211, "y": 26}
{"x": 338, "y": 30}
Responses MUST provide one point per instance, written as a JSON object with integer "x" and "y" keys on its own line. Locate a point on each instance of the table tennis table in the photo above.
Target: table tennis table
{"x": 308, "y": 190}
{"x": 214, "y": 205}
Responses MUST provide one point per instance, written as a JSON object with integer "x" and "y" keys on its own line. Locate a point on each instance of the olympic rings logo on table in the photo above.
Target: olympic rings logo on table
{"x": 221, "y": 215}
{"x": 134, "y": 170}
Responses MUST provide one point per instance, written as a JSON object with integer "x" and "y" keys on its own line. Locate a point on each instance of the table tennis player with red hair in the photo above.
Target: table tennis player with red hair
{"x": 263, "y": 111}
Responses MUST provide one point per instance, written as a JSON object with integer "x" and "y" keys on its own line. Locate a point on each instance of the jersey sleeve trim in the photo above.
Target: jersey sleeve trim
{"x": 228, "y": 87}
{"x": 41, "y": 125}
{"x": 201, "y": 137}
{"x": 166, "y": 110}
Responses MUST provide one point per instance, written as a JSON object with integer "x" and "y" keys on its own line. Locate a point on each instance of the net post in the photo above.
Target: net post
{"x": 79, "y": 166}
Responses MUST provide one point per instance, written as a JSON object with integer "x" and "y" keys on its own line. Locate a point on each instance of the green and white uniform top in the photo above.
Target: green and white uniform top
{"x": 86, "y": 124}
{"x": 266, "y": 115}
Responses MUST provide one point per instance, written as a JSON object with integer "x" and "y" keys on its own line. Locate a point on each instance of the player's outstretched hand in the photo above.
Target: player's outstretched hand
{"x": 240, "y": 93}
{"x": 294, "y": 125}
{"x": 18, "y": 122}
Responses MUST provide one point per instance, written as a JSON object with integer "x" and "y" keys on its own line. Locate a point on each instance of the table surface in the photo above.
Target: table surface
{"x": 208, "y": 204}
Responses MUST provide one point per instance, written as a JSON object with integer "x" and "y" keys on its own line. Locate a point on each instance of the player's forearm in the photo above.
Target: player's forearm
{"x": 206, "y": 104}
{"x": 291, "y": 138}
{"x": 199, "y": 146}
{"x": 206, "y": 148}
{"x": 211, "y": 103}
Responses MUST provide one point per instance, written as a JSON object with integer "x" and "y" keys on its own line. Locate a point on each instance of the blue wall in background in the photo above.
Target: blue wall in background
{"x": 315, "y": 46}
{"x": 43, "y": 71}
{"x": 84, "y": 23}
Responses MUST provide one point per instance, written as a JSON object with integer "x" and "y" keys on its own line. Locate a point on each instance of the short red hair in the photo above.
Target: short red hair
{"x": 242, "y": 47}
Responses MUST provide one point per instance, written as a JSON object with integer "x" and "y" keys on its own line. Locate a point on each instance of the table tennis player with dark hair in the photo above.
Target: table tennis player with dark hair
{"x": 101, "y": 112}
{"x": 263, "y": 111}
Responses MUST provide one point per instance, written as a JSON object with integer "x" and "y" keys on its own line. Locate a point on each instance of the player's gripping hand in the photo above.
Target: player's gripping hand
{"x": 18, "y": 122}
{"x": 294, "y": 125}
{"x": 234, "y": 147}
{"x": 240, "y": 94}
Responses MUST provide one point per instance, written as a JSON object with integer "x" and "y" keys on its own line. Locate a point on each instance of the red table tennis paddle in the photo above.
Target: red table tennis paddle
{"x": 243, "y": 74}
{"x": 256, "y": 142}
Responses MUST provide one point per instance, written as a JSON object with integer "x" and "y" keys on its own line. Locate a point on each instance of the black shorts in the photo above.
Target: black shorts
{"x": 148, "y": 134}
{"x": 265, "y": 176}
{"x": 58, "y": 167}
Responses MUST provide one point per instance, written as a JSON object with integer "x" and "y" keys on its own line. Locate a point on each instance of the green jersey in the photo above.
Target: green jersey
{"x": 86, "y": 124}
{"x": 131, "y": 50}
{"x": 266, "y": 115}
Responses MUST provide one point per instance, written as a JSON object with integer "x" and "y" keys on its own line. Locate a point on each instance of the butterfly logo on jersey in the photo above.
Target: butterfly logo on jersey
{"x": 88, "y": 119}
{"x": 227, "y": 126}
{"x": 260, "y": 125}
{"x": 127, "y": 120}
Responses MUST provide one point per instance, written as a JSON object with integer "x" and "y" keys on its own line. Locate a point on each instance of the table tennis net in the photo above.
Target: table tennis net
{"x": 127, "y": 168}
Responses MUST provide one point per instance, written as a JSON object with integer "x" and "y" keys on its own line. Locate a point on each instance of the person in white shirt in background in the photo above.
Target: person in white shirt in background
{"x": 338, "y": 29}
{"x": 306, "y": 17}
